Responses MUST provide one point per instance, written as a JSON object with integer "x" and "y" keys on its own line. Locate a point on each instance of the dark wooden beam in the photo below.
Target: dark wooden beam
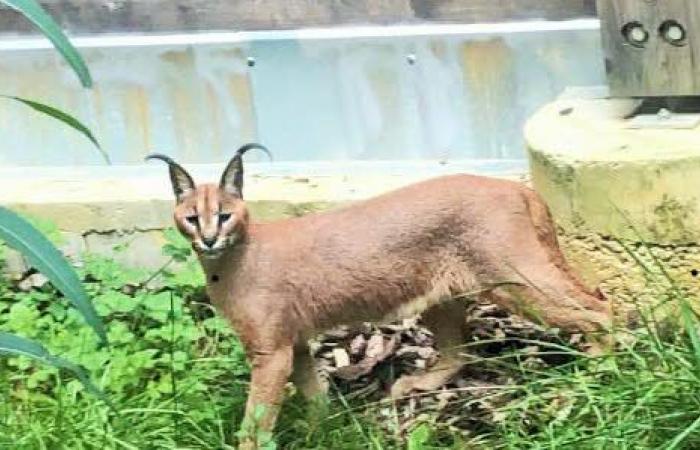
{"x": 113, "y": 16}
{"x": 502, "y": 10}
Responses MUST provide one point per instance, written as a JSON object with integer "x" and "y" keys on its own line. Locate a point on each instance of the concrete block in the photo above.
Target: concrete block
{"x": 627, "y": 200}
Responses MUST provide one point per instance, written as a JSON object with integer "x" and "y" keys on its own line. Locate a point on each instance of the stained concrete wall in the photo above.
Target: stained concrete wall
{"x": 384, "y": 93}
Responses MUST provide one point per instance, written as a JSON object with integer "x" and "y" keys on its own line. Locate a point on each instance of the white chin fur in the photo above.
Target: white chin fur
{"x": 211, "y": 254}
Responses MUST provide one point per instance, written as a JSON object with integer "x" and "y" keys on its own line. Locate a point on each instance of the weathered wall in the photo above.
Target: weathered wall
{"x": 109, "y": 16}
{"x": 441, "y": 93}
{"x": 632, "y": 272}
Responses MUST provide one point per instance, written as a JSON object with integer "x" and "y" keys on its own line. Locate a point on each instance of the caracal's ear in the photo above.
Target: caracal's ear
{"x": 232, "y": 178}
{"x": 182, "y": 182}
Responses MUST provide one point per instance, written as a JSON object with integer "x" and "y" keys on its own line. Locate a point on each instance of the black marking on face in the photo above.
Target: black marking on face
{"x": 223, "y": 218}
{"x": 215, "y": 278}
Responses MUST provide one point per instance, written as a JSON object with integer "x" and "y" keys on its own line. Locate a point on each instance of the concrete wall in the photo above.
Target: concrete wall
{"x": 438, "y": 92}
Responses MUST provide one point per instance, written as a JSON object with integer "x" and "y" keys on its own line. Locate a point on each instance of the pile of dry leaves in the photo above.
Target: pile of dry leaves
{"x": 367, "y": 361}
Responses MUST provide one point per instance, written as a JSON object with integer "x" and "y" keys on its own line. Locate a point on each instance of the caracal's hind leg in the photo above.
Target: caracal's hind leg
{"x": 305, "y": 375}
{"x": 551, "y": 295}
{"x": 447, "y": 322}
{"x": 552, "y": 291}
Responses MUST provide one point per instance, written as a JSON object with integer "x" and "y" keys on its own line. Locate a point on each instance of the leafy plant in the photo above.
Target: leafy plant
{"x": 154, "y": 333}
{"x": 419, "y": 437}
{"x": 41, "y": 254}
{"x": 15, "y": 345}
{"x": 643, "y": 397}
{"x": 23, "y": 237}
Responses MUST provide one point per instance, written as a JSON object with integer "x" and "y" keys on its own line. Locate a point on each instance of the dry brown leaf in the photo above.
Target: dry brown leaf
{"x": 375, "y": 346}
{"x": 354, "y": 371}
{"x": 358, "y": 345}
{"x": 428, "y": 381}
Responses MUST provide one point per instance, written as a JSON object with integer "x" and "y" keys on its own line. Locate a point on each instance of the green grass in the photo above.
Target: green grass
{"x": 180, "y": 380}
{"x": 638, "y": 399}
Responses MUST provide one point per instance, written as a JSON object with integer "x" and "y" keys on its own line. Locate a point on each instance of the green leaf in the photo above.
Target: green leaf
{"x": 114, "y": 302}
{"x": 65, "y": 118}
{"x": 33, "y": 11}
{"x": 22, "y": 318}
{"x": 176, "y": 245}
{"x": 41, "y": 254}
{"x": 419, "y": 437}
{"x": 18, "y": 346}
{"x": 157, "y": 306}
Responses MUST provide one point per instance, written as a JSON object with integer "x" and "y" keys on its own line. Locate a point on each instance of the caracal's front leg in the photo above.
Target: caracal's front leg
{"x": 270, "y": 371}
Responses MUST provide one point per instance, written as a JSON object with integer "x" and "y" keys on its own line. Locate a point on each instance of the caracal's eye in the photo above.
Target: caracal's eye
{"x": 192, "y": 220}
{"x": 224, "y": 217}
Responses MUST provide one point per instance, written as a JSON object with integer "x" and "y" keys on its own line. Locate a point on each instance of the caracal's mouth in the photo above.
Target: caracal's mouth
{"x": 211, "y": 254}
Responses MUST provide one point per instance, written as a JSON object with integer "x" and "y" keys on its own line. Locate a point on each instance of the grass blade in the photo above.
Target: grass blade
{"x": 681, "y": 437}
{"x": 11, "y": 344}
{"x": 63, "y": 117}
{"x": 42, "y": 255}
{"x": 33, "y": 11}
{"x": 690, "y": 323}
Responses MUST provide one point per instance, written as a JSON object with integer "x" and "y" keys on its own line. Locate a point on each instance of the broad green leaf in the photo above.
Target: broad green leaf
{"x": 33, "y": 11}
{"x": 114, "y": 302}
{"x": 419, "y": 437}
{"x": 42, "y": 255}
{"x": 11, "y": 344}
{"x": 63, "y": 117}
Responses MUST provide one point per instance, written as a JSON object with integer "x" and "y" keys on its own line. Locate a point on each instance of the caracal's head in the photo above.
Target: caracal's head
{"x": 213, "y": 217}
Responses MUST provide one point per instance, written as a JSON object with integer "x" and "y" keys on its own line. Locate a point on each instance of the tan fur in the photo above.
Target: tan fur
{"x": 399, "y": 253}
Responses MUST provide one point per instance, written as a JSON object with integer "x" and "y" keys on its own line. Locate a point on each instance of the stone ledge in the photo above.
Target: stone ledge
{"x": 100, "y": 199}
{"x": 99, "y": 208}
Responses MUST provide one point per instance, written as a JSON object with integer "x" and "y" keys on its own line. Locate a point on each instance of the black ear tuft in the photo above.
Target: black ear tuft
{"x": 232, "y": 178}
{"x": 181, "y": 180}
